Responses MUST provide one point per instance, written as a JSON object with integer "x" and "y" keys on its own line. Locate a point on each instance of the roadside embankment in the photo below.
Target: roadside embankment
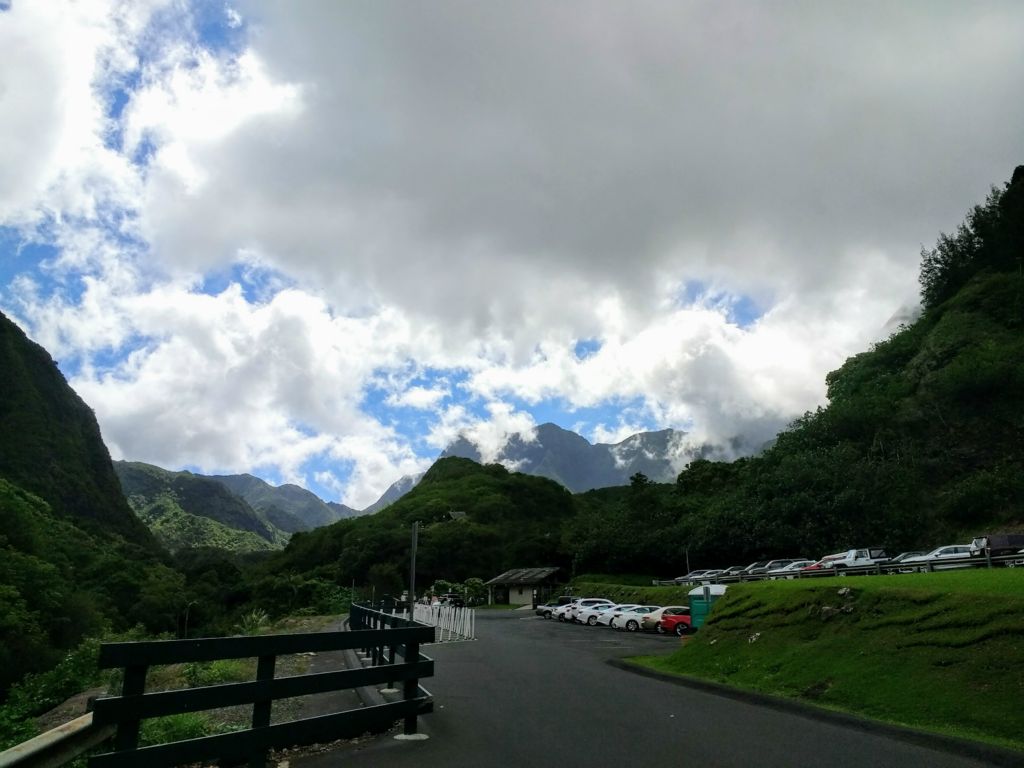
{"x": 941, "y": 652}
{"x": 625, "y": 593}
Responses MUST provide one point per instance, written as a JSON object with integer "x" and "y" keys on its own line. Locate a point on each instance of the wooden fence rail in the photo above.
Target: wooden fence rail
{"x": 370, "y": 630}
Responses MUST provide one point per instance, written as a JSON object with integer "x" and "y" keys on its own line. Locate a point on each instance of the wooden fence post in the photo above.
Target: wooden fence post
{"x": 128, "y": 730}
{"x": 261, "y": 708}
{"x": 412, "y": 686}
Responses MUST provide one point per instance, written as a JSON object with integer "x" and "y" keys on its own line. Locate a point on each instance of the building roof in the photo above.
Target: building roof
{"x": 523, "y": 576}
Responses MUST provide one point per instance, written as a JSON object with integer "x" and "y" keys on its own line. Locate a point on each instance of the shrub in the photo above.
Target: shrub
{"x": 253, "y": 622}
{"x": 163, "y": 730}
{"x": 219, "y": 672}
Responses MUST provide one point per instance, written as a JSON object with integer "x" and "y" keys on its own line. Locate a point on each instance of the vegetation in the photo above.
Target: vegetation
{"x": 186, "y": 511}
{"x": 61, "y": 584}
{"x": 50, "y": 444}
{"x": 941, "y": 652}
{"x": 510, "y": 519}
{"x": 630, "y": 593}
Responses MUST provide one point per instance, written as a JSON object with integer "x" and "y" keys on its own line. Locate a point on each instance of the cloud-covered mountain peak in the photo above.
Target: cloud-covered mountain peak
{"x": 572, "y": 460}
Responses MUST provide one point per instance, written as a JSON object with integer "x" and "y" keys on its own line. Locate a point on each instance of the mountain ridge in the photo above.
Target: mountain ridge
{"x": 50, "y": 441}
{"x": 570, "y": 459}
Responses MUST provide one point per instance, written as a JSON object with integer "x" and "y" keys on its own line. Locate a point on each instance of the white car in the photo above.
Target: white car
{"x": 562, "y": 612}
{"x": 789, "y": 571}
{"x": 630, "y": 620}
{"x": 581, "y": 605}
{"x": 606, "y": 617}
{"x": 855, "y": 558}
{"x": 590, "y": 615}
{"x": 948, "y": 552}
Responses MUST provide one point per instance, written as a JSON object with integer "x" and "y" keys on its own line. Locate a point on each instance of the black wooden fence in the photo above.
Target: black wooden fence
{"x": 386, "y": 636}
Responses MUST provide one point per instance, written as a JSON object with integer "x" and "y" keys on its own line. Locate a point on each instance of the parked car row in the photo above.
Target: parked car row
{"x": 628, "y": 617}
{"x": 905, "y": 562}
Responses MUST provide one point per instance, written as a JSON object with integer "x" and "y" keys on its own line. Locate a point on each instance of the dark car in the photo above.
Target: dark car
{"x": 547, "y": 608}
{"x": 691, "y": 576}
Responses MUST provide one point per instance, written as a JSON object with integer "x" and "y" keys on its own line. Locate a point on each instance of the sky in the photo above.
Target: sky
{"x": 316, "y": 241}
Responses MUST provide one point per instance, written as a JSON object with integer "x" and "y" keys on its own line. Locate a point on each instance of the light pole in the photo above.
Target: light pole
{"x": 187, "y": 608}
{"x": 412, "y": 569}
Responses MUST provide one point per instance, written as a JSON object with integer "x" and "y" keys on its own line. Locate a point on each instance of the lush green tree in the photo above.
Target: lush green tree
{"x": 385, "y": 580}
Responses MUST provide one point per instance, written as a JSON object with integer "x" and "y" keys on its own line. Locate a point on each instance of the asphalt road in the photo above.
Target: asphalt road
{"x": 537, "y": 693}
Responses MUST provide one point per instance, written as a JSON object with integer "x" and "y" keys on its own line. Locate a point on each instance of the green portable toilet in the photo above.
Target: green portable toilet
{"x": 701, "y": 600}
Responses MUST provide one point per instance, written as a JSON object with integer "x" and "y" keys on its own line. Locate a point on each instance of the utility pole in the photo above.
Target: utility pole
{"x": 412, "y": 570}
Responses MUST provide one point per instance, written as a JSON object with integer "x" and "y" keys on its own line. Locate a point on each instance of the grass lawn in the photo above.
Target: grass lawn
{"x": 940, "y": 651}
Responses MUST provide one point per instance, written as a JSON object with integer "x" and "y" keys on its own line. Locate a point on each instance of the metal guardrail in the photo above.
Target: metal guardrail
{"x": 58, "y": 746}
{"x": 876, "y": 569}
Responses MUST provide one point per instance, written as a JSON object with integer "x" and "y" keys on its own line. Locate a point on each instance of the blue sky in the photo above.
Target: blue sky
{"x": 317, "y": 244}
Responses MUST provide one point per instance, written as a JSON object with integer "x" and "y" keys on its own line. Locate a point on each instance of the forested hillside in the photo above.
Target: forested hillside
{"x": 74, "y": 560}
{"x": 288, "y": 507}
{"x": 501, "y": 519}
{"x": 186, "y": 511}
{"x": 50, "y": 442}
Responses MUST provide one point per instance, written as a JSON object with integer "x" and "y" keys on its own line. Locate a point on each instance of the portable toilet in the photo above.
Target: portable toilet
{"x": 701, "y": 600}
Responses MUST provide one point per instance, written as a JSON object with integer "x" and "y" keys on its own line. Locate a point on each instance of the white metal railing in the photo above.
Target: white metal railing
{"x": 452, "y": 623}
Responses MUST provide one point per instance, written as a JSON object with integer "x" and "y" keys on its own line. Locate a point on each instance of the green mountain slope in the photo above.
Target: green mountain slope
{"x": 50, "y": 442}
{"x": 186, "y": 511}
{"x": 74, "y": 559}
{"x": 289, "y": 507}
{"x": 510, "y": 520}
{"x": 60, "y": 582}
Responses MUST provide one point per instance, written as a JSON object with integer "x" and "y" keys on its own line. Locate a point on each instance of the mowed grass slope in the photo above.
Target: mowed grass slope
{"x": 941, "y": 651}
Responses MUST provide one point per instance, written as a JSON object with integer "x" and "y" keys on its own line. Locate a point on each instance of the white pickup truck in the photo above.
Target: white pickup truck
{"x": 853, "y": 558}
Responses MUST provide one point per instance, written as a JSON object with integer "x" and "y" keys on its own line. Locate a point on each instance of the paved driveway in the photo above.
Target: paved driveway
{"x": 536, "y": 693}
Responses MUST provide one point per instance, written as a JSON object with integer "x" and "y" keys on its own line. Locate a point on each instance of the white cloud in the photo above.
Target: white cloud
{"x": 228, "y": 386}
{"x": 192, "y": 100}
{"x": 489, "y": 434}
{"x": 53, "y": 138}
{"x": 446, "y": 189}
{"x": 423, "y": 398}
{"x": 234, "y": 18}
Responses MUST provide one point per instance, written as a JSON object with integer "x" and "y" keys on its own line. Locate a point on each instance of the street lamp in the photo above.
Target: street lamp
{"x": 412, "y": 569}
{"x": 187, "y": 608}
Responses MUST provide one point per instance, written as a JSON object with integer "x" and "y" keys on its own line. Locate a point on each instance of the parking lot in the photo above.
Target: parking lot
{"x": 538, "y": 693}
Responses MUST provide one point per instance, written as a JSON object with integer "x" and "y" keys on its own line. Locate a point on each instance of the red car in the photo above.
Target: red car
{"x": 679, "y": 624}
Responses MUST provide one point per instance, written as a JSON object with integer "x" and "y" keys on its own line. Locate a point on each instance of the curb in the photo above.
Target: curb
{"x": 991, "y": 754}
{"x": 369, "y": 696}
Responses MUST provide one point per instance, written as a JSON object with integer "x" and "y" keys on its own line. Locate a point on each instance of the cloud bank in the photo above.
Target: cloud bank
{"x": 234, "y": 224}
